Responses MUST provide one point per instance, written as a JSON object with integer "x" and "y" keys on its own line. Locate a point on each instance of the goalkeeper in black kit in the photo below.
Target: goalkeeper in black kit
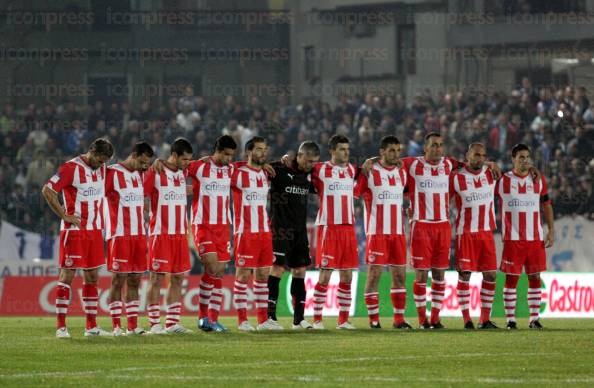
{"x": 289, "y": 192}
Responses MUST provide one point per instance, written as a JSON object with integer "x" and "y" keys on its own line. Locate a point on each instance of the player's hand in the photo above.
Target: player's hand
{"x": 495, "y": 170}
{"x": 269, "y": 169}
{"x": 368, "y": 165}
{"x": 286, "y": 160}
{"x": 550, "y": 240}
{"x": 536, "y": 175}
{"x": 158, "y": 165}
{"x": 72, "y": 219}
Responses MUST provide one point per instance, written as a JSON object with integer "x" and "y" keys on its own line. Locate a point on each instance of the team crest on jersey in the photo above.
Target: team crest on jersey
{"x": 201, "y": 249}
{"x": 241, "y": 262}
{"x": 324, "y": 262}
{"x": 116, "y": 265}
{"x": 371, "y": 258}
{"x": 68, "y": 262}
{"x": 156, "y": 265}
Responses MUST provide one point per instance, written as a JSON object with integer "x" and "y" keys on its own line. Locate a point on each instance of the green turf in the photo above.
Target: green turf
{"x": 561, "y": 354}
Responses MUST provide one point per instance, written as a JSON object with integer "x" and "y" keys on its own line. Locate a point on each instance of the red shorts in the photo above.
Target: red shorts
{"x": 475, "y": 252}
{"x": 430, "y": 245}
{"x": 169, "y": 253}
{"x": 81, "y": 249}
{"x": 386, "y": 249}
{"x": 253, "y": 250}
{"x": 528, "y": 254}
{"x": 337, "y": 247}
{"x": 127, "y": 254}
{"x": 213, "y": 239}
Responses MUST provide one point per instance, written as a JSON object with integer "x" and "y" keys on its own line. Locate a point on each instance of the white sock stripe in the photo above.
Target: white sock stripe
{"x": 373, "y": 311}
{"x": 460, "y": 281}
{"x": 62, "y": 301}
{"x": 440, "y": 282}
{"x": 436, "y": 305}
{"x": 398, "y": 311}
{"x": 487, "y": 292}
{"x": 61, "y": 310}
{"x": 486, "y": 305}
{"x": 60, "y": 284}
{"x": 398, "y": 290}
{"x": 463, "y": 292}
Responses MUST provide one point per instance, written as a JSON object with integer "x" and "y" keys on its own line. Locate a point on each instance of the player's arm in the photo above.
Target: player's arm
{"x": 50, "y": 191}
{"x": 547, "y": 207}
{"x": 51, "y": 197}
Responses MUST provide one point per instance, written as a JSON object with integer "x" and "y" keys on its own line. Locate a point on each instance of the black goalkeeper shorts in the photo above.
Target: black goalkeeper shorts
{"x": 291, "y": 248}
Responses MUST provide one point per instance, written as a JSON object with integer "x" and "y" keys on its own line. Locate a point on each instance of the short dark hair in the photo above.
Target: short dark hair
{"x": 224, "y": 142}
{"x": 476, "y": 144}
{"x": 143, "y": 148}
{"x": 387, "y": 140}
{"x": 181, "y": 146}
{"x": 102, "y": 147}
{"x": 520, "y": 147}
{"x": 432, "y": 134}
{"x": 309, "y": 147}
{"x": 335, "y": 140}
{"x": 251, "y": 143}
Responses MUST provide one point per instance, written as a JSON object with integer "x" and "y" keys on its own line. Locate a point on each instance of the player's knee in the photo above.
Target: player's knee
{"x": 277, "y": 271}
{"x": 490, "y": 276}
{"x": 133, "y": 281}
{"x": 465, "y": 276}
{"x": 298, "y": 272}
{"x": 91, "y": 277}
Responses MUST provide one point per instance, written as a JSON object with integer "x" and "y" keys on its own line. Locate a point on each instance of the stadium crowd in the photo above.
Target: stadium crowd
{"x": 558, "y": 123}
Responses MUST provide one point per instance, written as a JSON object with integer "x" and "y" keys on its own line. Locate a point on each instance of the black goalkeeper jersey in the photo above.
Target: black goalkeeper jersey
{"x": 289, "y": 197}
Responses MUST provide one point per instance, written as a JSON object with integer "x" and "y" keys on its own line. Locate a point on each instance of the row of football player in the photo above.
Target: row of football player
{"x": 85, "y": 182}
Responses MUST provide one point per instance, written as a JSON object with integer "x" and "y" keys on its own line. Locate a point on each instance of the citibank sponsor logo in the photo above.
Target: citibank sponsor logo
{"x": 521, "y": 203}
{"x": 389, "y": 195}
{"x": 132, "y": 198}
{"x": 92, "y": 192}
{"x": 339, "y": 186}
{"x": 478, "y": 197}
{"x": 256, "y": 196}
{"x": 216, "y": 186}
{"x": 174, "y": 196}
{"x": 296, "y": 190}
{"x": 432, "y": 184}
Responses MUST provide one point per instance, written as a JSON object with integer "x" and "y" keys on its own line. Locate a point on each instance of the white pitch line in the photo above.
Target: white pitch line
{"x": 62, "y": 374}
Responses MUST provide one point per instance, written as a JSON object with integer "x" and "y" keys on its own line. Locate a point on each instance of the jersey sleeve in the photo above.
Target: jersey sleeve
{"x": 315, "y": 177}
{"x": 149, "y": 181}
{"x": 453, "y": 177}
{"x": 109, "y": 178}
{"x": 63, "y": 178}
{"x": 544, "y": 192}
{"x": 235, "y": 177}
{"x": 360, "y": 186}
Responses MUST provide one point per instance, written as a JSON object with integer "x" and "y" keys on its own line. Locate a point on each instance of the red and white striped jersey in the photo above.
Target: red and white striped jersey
{"x": 474, "y": 194}
{"x": 250, "y": 195}
{"x": 383, "y": 192}
{"x": 82, "y": 190}
{"x": 167, "y": 191}
{"x": 211, "y": 184}
{"x": 334, "y": 185}
{"x": 520, "y": 199}
{"x": 124, "y": 210}
{"x": 429, "y": 187}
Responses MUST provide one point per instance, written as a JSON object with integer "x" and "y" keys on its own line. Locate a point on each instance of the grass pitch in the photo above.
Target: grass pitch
{"x": 562, "y": 354}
